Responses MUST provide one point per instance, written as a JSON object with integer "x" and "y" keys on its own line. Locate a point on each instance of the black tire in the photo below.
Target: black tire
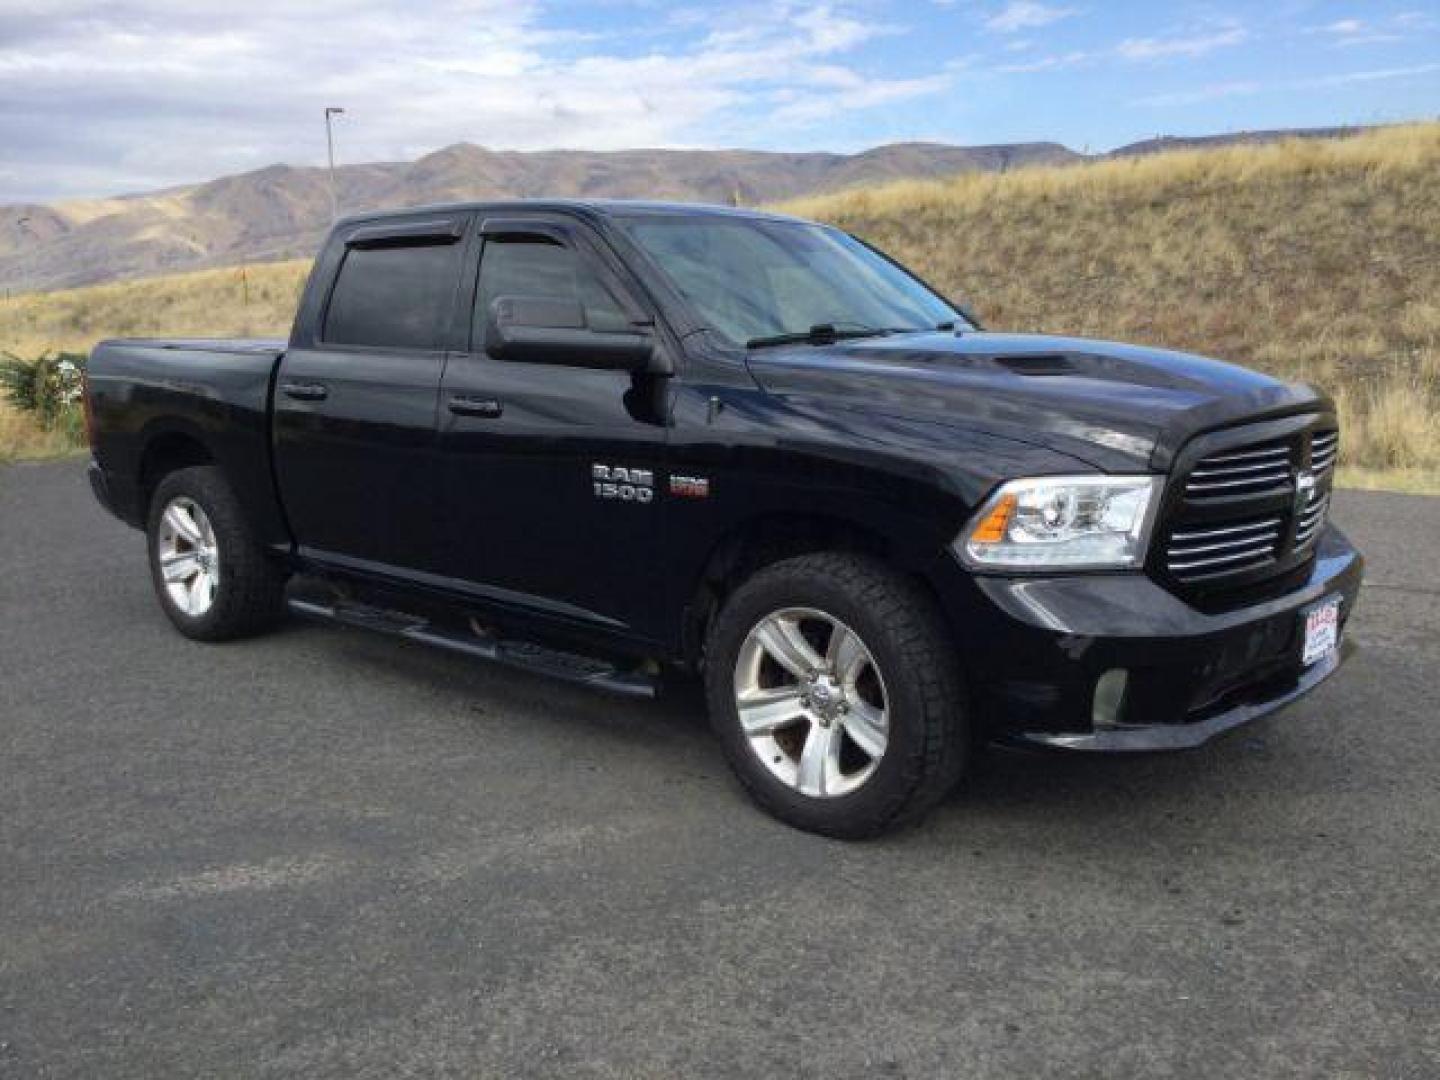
{"x": 249, "y": 596}
{"x": 901, "y": 627}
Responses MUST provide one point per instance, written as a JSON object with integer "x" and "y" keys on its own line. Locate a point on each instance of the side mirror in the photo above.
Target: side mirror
{"x": 548, "y": 330}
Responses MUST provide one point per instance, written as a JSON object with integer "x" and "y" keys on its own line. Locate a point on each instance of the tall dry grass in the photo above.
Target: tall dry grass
{"x": 22, "y": 437}
{"x": 1316, "y": 260}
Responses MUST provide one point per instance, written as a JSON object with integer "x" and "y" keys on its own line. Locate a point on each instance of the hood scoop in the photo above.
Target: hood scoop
{"x": 1037, "y": 365}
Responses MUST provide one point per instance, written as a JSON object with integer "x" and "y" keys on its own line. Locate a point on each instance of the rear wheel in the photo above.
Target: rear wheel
{"x": 211, "y": 575}
{"x": 835, "y": 693}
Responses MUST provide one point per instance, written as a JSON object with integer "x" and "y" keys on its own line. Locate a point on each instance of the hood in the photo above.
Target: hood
{"x": 1111, "y": 405}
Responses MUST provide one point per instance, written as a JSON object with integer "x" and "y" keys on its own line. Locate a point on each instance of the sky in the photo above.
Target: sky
{"x": 134, "y": 95}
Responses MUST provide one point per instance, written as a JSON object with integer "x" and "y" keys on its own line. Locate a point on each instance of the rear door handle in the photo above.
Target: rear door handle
{"x": 488, "y": 408}
{"x": 307, "y": 391}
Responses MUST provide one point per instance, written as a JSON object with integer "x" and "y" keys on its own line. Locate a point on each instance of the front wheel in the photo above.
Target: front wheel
{"x": 212, "y": 577}
{"x": 834, "y": 690}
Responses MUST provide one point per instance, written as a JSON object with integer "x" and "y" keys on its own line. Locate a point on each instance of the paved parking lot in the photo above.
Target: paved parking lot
{"x": 323, "y": 853}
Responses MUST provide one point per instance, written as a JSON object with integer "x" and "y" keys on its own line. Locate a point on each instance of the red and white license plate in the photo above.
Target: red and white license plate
{"x": 1322, "y": 631}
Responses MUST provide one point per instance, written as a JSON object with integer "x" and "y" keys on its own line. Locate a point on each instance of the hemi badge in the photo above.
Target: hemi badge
{"x": 689, "y": 487}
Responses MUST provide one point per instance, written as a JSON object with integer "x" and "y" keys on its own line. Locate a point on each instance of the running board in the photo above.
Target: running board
{"x": 571, "y": 667}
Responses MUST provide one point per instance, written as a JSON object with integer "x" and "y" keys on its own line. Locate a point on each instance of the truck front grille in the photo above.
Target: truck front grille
{"x": 1196, "y": 554}
{"x": 1247, "y": 511}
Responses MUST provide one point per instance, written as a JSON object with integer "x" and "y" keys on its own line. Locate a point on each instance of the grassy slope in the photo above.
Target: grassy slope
{"x": 241, "y": 301}
{"x": 1317, "y": 260}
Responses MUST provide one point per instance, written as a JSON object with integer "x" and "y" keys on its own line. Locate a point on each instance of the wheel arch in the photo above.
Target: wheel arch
{"x": 165, "y": 450}
{"x": 769, "y": 538}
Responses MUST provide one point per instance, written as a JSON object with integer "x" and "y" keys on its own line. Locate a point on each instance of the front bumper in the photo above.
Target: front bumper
{"x": 1036, "y": 649}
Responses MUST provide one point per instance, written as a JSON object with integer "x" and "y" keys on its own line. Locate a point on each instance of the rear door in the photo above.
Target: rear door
{"x": 552, "y": 474}
{"x": 356, "y": 404}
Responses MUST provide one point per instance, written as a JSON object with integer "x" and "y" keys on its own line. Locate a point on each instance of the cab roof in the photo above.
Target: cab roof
{"x": 588, "y": 208}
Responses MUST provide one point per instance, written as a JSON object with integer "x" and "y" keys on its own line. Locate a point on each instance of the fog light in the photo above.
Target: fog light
{"x": 1109, "y": 699}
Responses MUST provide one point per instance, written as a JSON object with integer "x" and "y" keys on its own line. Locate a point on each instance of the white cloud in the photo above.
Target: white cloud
{"x": 1345, "y": 33}
{"x": 1198, "y": 44}
{"x": 1020, "y": 15}
{"x": 1053, "y": 62}
{"x": 1345, "y": 78}
{"x": 1417, "y": 20}
{"x": 162, "y": 92}
{"x": 1247, "y": 88}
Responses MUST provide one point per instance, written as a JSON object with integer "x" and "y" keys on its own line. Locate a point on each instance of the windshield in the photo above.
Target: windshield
{"x": 751, "y": 279}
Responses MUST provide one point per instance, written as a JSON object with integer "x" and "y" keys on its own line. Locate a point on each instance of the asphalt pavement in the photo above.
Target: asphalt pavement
{"x": 326, "y": 853}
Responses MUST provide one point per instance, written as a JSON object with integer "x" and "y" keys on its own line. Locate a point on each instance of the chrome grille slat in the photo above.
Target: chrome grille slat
{"x": 1245, "y": 455}
{"x": 1205, "y": 534}
{"x": 1310, "y": 521}
{"x": 1324, "y": 448}
{"x": 1266, "y": 539}
{"x": 1274, "y": 479}
{"x": 1264, "y": 551}
{"x": 1237, "y": 470}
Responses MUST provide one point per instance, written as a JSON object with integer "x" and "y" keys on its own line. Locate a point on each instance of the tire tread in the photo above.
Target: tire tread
{"x": 905, "y": 614}
{"x": 251, "y": 596}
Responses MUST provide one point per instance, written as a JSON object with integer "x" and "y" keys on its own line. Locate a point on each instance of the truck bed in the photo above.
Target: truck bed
{"x": 153, "y": 398}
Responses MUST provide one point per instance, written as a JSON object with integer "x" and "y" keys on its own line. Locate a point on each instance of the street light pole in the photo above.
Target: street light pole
{"x": 23, "y": 226}
{"x": 332, "y": 110}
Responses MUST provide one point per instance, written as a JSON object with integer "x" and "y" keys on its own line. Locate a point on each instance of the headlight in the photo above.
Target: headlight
{"x": 1063, "y": 523}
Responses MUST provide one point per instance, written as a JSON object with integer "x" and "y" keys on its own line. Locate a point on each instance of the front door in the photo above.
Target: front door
{"x": 551, "y": 495}
{"x": 355, "y": 409}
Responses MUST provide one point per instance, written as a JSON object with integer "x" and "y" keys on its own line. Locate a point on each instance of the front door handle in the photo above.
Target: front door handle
{"x": 307, "y": 391}
{"x": 463, "y": 405}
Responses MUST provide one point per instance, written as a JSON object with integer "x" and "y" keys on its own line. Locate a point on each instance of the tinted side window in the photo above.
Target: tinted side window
{"x": 536, "y": 267}
{"x": 393, "y": 296}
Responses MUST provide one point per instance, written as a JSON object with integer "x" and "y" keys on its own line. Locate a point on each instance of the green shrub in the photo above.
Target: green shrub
{"x": 49, "y": 388}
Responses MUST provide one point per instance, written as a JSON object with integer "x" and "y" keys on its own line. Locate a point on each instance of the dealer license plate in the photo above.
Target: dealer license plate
{"x": 1322, "y": 631}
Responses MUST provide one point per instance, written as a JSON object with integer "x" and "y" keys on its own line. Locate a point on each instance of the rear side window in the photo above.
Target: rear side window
{"x": 535, "y": 266}
{"x": 394, "y": 297}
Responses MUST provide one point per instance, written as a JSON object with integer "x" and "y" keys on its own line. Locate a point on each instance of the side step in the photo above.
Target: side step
{"x": 571, "y": 667}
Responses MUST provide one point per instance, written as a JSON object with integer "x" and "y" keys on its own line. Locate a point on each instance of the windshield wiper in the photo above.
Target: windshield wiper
{"x": 819, "y": 334}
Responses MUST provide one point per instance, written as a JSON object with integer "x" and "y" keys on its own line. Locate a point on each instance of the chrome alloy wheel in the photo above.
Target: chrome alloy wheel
{"x": 811, "y": 702}
{"x": 189, "y": 556}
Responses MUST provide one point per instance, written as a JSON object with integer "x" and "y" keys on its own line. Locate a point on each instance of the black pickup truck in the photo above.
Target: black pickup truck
{"x": 611, "y": 440}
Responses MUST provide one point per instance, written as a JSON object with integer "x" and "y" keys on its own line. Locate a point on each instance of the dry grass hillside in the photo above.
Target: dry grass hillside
{"x": 1316, "y": 260}
{"x": 243, "y": 301}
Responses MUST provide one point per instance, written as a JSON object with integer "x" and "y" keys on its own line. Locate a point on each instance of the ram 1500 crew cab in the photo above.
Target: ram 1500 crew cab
{"x": 611, "y": 440}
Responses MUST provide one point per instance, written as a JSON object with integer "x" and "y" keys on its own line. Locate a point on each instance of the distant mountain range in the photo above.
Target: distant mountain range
{"x": 282, "y": 211}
